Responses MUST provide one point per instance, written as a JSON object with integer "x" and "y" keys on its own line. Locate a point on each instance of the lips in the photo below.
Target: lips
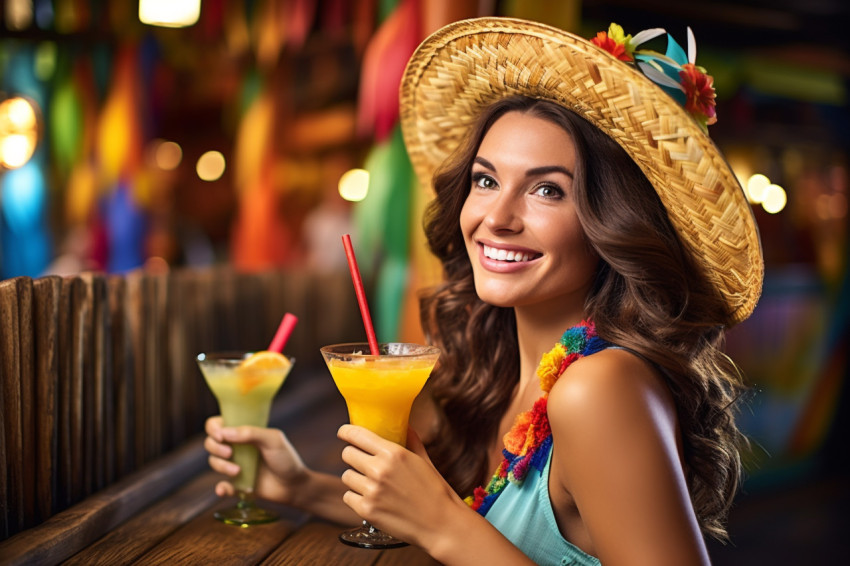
{"x": 505, "y": 259}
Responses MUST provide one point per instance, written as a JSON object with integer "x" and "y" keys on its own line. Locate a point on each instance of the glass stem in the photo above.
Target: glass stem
{"x": 246, "y": 499}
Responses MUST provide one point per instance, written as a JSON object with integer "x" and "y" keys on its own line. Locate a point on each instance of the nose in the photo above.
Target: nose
{"x": 503, "y": 213}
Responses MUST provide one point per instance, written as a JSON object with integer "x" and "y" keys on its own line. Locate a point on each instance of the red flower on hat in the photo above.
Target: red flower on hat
{"x": 612, "y": 46}
{"x": 699, "y": 93}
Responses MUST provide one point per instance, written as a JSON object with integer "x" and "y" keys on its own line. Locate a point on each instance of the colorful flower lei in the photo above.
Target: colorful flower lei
{"x": 675, "y": 71}
{"x": 527, "y": 443}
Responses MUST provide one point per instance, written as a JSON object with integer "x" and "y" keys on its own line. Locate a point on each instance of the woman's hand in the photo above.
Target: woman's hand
{"x": 281, "y": 472}
{"x": 396, "y": 489}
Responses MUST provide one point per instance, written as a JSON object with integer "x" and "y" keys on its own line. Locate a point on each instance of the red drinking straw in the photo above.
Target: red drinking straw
{"x": 284, "y": 330}
{"x": 361, "y": 295}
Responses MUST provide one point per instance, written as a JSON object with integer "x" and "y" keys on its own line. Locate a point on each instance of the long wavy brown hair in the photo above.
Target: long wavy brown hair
{"x": 649, "y": 296}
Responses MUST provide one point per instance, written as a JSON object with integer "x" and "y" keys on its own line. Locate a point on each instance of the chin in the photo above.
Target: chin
{"x": 495, "y": 297}
{"x": 497, "y": 303}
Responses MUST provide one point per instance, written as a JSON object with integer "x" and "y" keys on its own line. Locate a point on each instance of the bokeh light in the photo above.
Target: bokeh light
{"x": 774, "y": 199}
{"x": 756, "y": 186}
{"x": 18, "y": 14}
{"x": 169, "y": 13}
{"x": 210, "y": 166}
{"x": 354, "y": 185}
{"x": 168, "y": 155}
{"x": 18, "y": 132}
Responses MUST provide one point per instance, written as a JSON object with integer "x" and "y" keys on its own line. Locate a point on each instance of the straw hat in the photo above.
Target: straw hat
{"x": 467, "y": 65}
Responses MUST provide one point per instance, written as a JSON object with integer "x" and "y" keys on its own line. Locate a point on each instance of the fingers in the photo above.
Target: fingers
{"x": 217, "y": 448}
{"x": 224, "y": 489}
{"x": 223, "y": 466}
{"x": 357, "y": 459}
{"x": 355, "y": 481}
{"x": 364, "y": 439}
{"x": 213, "y": 427}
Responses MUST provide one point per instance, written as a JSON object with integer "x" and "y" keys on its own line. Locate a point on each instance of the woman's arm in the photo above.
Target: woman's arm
{"x": 616, "y": 454}
{"x": 282, "y": 475}
{"x": 399, "y": 490}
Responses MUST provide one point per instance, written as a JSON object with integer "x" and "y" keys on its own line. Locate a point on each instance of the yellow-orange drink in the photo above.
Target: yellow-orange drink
{"x": 379, "y": 391}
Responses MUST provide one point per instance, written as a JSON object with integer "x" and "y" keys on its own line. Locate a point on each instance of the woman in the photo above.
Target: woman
{"x": 573, "y": 195}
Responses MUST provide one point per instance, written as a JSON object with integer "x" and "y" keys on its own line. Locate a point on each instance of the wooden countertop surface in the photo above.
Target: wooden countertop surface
{"x": 163, "y": 513}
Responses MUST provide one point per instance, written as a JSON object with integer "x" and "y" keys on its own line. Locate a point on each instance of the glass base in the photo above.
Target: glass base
{"x": 368, "y": 536}
{"x": 246, "y": 513}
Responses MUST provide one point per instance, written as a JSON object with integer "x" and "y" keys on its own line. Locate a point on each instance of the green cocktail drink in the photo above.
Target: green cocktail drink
{"x": 244, "y": 386}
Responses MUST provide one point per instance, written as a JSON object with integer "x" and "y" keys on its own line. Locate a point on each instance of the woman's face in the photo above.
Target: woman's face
{"x": 519, "y": 220}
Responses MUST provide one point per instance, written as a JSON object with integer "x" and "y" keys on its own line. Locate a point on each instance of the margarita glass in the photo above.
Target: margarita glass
{"x": 379, "y": 393}
{"x": 244, "y": 384}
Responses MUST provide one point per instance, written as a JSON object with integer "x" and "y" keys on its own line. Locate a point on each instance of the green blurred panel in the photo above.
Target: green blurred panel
{"x": 798, "y": 83}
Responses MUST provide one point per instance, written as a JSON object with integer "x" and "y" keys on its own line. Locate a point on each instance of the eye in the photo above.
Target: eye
{"x": 549, "y": 191}
{"x": 483, "y": 181}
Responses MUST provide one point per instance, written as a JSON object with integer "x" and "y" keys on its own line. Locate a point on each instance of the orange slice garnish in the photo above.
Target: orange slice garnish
{"x": 252, "y": 370}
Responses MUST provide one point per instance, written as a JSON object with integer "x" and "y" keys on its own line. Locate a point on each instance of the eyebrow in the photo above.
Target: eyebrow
{"x": 544, "y": 170}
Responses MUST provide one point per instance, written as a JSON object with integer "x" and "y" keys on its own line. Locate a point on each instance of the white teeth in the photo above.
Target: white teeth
{"x": 505, "y": 255}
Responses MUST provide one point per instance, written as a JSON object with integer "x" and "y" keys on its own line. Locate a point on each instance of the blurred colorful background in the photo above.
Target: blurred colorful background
{"x": 182, "y": 133}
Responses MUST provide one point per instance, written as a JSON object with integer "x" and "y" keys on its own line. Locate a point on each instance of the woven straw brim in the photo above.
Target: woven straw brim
{"x": 467, "y": 65}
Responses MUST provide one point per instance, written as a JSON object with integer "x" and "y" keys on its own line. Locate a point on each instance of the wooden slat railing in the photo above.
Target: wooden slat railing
{"x": 98, "y": 374}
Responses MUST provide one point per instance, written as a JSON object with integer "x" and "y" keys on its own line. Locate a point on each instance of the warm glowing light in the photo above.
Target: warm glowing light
{"x": 210, "y": 166}
{"x": 18, "y": 132}
{"x": 19, "y": 113}
{"x": 169, "y": 13}
{"x": 168, "y": 155}
{"x": 756, "y": 186}
{"x": 15, "y": 150}
{"x": 18, "y": 14}
{"x": 354, "y": 185}
{"x": 774, "y": 199}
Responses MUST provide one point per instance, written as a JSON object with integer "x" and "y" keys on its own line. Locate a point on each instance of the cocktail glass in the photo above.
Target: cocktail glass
{"x": 244, "y": 396}
{"x": 379, "y": 393}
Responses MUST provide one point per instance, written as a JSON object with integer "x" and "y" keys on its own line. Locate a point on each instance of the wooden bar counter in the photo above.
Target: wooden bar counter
{"x": 163, "y": 513}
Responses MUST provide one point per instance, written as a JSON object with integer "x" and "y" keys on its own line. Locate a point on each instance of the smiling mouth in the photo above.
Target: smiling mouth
{"x": 508, "y": 255}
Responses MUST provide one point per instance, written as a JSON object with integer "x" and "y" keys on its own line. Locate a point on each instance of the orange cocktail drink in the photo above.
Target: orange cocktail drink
{"x": 379, "y": 390}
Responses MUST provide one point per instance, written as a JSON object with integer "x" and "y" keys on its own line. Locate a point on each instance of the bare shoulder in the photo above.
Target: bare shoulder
{"x": 613, "y": 411}
{"x": 613, "y": 386}
{"x": 617, "y": 458}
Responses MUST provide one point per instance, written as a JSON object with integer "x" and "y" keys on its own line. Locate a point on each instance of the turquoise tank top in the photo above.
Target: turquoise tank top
{"x": 516, "y": 500}
{"x": 523, "y": 513}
